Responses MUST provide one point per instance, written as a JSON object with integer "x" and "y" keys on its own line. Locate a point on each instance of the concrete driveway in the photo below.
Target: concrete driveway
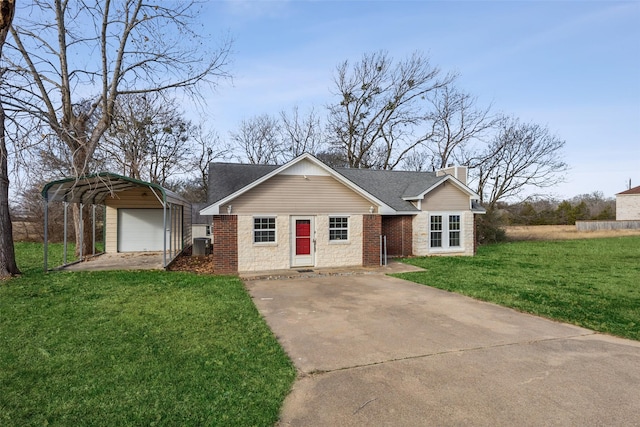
{"x": 378, "y": 351}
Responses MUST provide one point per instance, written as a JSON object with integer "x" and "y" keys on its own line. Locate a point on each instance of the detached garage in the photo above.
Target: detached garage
{"x": 139, "y": 216}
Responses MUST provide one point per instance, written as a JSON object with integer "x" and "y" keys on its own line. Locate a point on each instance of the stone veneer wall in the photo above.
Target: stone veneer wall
{"x": 627, "y": 207}
{"x": 338, "y": 253}
{"x": 371, "y": 231}
{"x": 421, "y": 235}
{"x": 225, "y": 244}
{"x": 263, "y": 256}
{"x": 277, "y": 256}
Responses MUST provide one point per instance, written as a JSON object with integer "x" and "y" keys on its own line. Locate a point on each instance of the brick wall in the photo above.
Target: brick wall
{"x": 399, "y": 232}
{"x": 371, "y": 231}
{"x": 225, "y": 244}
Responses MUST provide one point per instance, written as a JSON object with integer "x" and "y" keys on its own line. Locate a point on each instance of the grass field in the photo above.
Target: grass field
{"x": 594, "y": 283}
{"x": 134, "y": 348}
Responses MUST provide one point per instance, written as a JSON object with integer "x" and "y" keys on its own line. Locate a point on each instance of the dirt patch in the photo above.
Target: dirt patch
{"x": 561, "y": 232}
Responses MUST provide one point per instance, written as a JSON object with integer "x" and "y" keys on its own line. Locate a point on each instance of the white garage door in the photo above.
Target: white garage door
{"x": 140, "y": 230}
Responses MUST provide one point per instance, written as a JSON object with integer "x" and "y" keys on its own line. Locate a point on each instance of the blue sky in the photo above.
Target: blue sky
{"x": 573, "y": 66}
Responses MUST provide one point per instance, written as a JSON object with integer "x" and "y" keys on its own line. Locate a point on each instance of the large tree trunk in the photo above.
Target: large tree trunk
{"x": 8, "y": 265}
{"x": 87, "y": 230}
{"x": 81, "y": 160}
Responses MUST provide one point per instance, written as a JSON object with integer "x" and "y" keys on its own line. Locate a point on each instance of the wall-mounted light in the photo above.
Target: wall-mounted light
{"x": 229, "y": 209}
{"x": 371, "y": 209}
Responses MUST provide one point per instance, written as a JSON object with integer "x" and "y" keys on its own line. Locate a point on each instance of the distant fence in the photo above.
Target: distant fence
{"x": 607, "y": 225}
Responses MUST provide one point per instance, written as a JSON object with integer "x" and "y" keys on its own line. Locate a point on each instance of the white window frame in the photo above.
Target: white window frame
{"x": 445, "y": 232}
{"x": 329, "y": 228}
{"x": 254, "y": 229}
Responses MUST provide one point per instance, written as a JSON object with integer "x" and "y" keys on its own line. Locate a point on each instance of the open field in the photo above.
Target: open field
{"x": 560, "y": 232}
{"x": 134, "y": 348}
{"x": 594, "y": 283}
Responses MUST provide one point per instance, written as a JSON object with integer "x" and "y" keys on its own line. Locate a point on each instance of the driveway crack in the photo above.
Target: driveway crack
{"x": 317, "y": 372}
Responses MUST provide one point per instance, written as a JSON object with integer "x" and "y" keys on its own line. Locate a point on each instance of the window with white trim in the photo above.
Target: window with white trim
{"x": 454, "y": 230}
{"x": 338, "y": 228}
{"x": 264, "y": 230}
{"x": 445, "y": 231}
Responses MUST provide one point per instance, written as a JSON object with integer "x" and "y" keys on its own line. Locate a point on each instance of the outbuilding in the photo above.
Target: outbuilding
{"x": 138, "y": 216}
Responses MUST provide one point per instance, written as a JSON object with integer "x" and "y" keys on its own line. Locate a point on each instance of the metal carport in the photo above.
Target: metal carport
{"x": 99, "y": 189}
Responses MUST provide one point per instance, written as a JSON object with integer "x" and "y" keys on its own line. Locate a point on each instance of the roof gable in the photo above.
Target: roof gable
{"x": 443, "y": 179}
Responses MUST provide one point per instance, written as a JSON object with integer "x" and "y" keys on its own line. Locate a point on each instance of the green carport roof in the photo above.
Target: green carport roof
{"x": 94, "y": 189}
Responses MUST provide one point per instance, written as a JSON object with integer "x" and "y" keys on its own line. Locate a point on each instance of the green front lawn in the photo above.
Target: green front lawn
{"x": 594, "y": 283}
{"x": 134, "y": 348}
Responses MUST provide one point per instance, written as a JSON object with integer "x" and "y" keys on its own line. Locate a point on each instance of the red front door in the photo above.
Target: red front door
{"x": 303, "y": 237}
{"x": 302, "y": 242}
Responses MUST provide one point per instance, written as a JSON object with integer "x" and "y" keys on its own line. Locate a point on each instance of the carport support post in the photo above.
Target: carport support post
{"x": 104, "y": 228}
{"x": 164, "y": 233}
{"x": 46, "y": 233}
{"x": 81, "y": 228}
{"x": 93, "y": 226}
{"x": 64, "y": 238}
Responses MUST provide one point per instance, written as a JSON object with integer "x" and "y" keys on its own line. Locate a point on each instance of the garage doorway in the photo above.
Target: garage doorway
{"x": 140, "y": 230}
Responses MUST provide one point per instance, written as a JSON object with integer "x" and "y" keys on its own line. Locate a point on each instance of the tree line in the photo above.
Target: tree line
{"x": 550, "y": 211}
{"x": 95, "y": 85}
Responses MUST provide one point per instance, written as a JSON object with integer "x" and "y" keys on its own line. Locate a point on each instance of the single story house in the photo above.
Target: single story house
{"x": 628, "y": 205}
{"x": 305, "y": 214}
{"x": 139, "y": 216}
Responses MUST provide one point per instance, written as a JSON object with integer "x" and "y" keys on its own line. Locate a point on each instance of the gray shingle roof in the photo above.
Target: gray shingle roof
{"x": 391, "y": 186}
{"x": 388, "y": 186}
{"x": 227, "y": 178}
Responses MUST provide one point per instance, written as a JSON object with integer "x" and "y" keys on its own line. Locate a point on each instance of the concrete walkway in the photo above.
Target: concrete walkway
{"x": 378, "y": 351}
{"x": 120, "y": 261}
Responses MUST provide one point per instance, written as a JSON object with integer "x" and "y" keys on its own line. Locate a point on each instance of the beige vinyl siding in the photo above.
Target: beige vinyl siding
{"x": 297, "y": 195}
{"x": 141, "y": 197}
{"x": 187, "y": 230}
{"x": 446, "y": 197}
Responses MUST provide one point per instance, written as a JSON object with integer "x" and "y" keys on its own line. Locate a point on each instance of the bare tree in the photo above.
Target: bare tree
{"x": 8, "y": 266}
{"x": 454, "y": 122}
{"x": 259, "y": 139}
{"x": 300, "y": 134}
{"x": 520, "y": 155}
{"x": 417, "y": 160}
{"x": 208, "y": 147}
{"x": 127, "y": 142}
{"x": 139, "y": 47}
{"x": 379, "y": 107}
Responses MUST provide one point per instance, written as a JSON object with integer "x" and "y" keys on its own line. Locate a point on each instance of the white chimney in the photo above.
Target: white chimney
{"x": 458, "y": 172}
